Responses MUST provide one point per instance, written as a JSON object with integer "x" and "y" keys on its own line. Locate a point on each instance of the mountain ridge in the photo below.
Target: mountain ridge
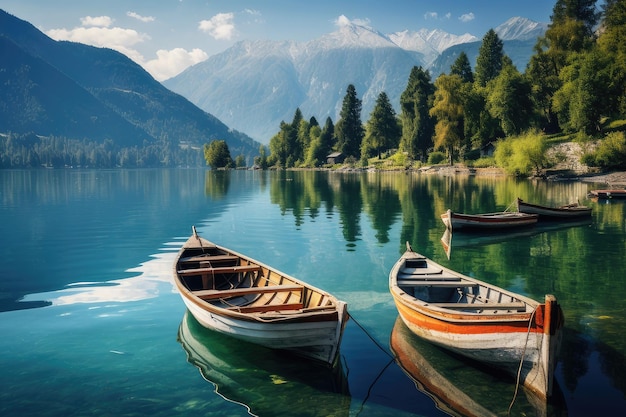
{"x": 254, "y": 85}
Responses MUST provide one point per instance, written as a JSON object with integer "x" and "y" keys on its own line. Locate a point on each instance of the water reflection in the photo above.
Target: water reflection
{"x": 462, "y": 388}
{"x": 261, "y": 379}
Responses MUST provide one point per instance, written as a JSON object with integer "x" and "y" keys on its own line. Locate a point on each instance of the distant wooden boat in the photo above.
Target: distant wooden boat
{"x": 607, "y": 194}
{"x": 566, "y": 212}
{"x": 461, "y": 387}
{"x": 236, "y": 295}
{"x": 487, "y": 221}
{"x": 249, "y": 374}
{"x": 479, "y": 320}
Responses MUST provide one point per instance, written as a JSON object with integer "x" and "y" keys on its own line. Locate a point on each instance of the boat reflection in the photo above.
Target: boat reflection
{"x": 265, "y": 381}
{"x": 460, "y": 387}
{"x": 462, "y": 239}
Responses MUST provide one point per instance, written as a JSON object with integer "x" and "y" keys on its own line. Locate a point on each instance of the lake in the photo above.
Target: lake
{"x": 91, "y": 323}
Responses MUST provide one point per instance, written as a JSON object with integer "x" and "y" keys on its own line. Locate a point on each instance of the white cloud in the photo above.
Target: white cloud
{"x": 343, "y": 21}
{"x": 139, "y": 17}
{"x": 97, "y": 32}
{"x": 467, "y": 17}
{"x": 99, "y": 21}
{"x": 220, "y": 26}
{"x": 171, "y": 63}
{"x": 113, "y": 38}
{"x": 431, "y": 15}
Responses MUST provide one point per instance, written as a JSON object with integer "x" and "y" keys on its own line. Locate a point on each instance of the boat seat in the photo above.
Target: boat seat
{"x": 435, "y": 283}
{"x": 208, "y": 258}
{"x": 215, "y": 294}
{"x": 421, "y": 271}
{"x": 482, "y": 306}
{"x": 219, "y": 270}
{"x": 419, "y": 277}
{"x": 268, "y": 307}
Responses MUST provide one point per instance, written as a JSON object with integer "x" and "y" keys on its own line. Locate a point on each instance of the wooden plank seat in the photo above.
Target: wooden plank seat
{"x": 482, "y": 306}
{"x": 421, "y": 271}
{"x": 268, "y": 307}
{"x": 219, "y": 270}
{"x": 208, "y": 258}
{"x": 215, "y": 294}
{"x": 435, "y": 283}
{"x": 402, "y": 276}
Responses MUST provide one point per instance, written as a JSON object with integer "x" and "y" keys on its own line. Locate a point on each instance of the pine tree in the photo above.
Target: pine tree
{"x": 417, "y": 124}
{"x": 349, "y": 128}
{"x": 489, "y": 60}
{"x": 383, "y": 130}
{"x": 462, "y": 68}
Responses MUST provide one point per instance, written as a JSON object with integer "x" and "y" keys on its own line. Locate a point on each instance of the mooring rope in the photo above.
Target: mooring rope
{"x": 521, "y": 362}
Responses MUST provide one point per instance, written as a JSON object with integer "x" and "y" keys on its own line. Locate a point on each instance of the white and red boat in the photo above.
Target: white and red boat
{"x": 479, "y": 320}
{"x": 568, "y": 211}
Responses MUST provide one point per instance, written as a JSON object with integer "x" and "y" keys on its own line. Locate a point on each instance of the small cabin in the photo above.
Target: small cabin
{"x": 487, "y": 150}
{"x": 335, "y": 158}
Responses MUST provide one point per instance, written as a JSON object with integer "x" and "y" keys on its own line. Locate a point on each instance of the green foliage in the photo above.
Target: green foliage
{"x": 448, "y": 110}
{"x": 484, "y": 162}
{"x": 217, "y": 154}
{"x": 509, "y": 101}
{"x": 349, "y": 128}
{"x": 611, "y": 152}
{"x": 522, "y": 154}
{"x": 383, "y": 130}
{"x": 436, "y": 157}
{"x": 489, "y": 60}
{"x": 417, "y": 124}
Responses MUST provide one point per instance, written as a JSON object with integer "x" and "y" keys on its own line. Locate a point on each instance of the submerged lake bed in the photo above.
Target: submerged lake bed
{"x": 91, "y": 322}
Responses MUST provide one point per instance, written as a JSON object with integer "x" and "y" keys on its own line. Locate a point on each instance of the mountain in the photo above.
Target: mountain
{"x": 254, "y": 85}
{"x": 83, "y": 92}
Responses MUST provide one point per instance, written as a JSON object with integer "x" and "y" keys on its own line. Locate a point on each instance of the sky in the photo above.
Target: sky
{"x": 167, "y": 36}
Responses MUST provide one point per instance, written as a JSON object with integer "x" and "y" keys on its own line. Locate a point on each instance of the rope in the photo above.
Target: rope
{"x": 370, "y": 336}
{"x": 521, "y": 362}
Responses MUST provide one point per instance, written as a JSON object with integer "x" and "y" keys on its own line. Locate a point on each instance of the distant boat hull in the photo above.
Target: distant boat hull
{"x": 488, "y": 221}
{"x": 570, "y": 211}
{"x": 479, "y": 320}
{"x": 246, "y": 299}
{"x": 607, "y": 194}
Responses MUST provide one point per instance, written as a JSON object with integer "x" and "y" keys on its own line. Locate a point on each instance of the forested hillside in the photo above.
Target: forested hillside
{"x": 65, "y": 103}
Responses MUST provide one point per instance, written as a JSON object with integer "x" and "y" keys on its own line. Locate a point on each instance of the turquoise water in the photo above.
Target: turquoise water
{"x": 91, "y": 323}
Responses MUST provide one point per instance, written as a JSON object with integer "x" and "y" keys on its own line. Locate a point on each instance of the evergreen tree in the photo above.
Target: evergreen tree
{"x": 489, "y": 60}
{"x": 417, "y": 124}
{"x": 349, "y": 128}
{"x": 383, "y": 130}
{"x": 462, "y": 68}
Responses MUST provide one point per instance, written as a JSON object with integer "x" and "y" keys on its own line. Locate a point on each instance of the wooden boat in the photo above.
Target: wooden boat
{"x": 607, "y": 194}
{"x": 566, "y": 212}
{"x": 236, "y": 295}
{"x": 488, "y": 221}
{"x": 460, "y": 387}
{"x": 479, "y": 320}
{"x": 260, "y": 379}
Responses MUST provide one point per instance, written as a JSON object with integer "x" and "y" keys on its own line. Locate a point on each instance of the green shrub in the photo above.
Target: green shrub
{"x": 436, "y": 158}
{"x": 484, "y": 162}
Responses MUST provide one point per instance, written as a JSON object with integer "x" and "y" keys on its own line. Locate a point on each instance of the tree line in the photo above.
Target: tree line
{"x": 574, "y": 83}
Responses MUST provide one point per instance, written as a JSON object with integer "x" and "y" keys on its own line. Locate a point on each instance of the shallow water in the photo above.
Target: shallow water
{"x": 90, "y": 319}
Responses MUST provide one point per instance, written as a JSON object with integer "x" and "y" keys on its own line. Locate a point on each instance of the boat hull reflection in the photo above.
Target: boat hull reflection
{"x": 461, "y": 387}
{"x": 260, "y": 378}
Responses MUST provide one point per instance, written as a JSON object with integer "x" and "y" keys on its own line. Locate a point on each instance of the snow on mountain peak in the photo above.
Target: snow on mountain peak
{"x": 354, "y": 33}
{"x": 520, "y": 28}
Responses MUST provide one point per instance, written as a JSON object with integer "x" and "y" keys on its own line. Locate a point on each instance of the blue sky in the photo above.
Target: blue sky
{"x": 167, "y": 36}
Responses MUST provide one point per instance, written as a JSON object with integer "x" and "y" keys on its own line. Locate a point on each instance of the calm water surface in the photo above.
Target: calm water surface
{"x": 91, "y": 323}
